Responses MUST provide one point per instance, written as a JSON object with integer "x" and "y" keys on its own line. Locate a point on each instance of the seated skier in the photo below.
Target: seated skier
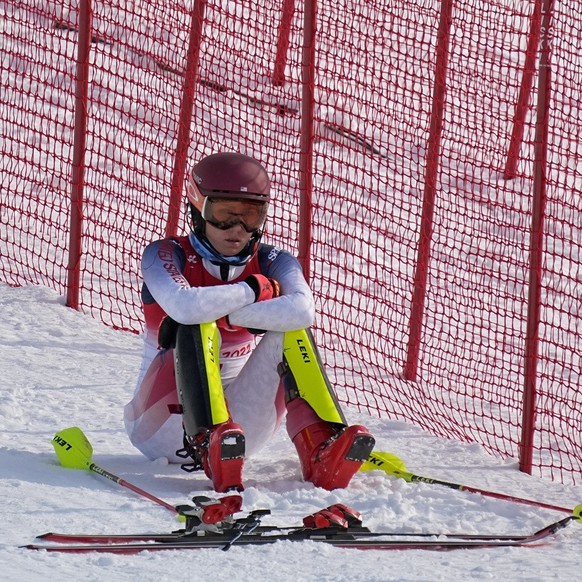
{"x": 228, "y": 351}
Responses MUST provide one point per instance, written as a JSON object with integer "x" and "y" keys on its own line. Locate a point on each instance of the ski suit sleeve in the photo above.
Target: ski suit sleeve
{"x": 162, "y": 264}
{"x": 294, "y": 309}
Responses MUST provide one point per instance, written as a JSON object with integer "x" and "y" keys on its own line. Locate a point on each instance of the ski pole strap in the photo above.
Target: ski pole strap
{"x": 302, "y": 358}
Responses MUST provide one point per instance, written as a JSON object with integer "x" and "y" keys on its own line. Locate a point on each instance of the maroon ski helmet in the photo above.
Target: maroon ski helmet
{"x": 228, "y": 175}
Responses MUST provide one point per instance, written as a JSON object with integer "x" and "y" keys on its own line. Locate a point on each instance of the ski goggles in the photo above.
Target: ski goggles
{"x": 224, "y": 213}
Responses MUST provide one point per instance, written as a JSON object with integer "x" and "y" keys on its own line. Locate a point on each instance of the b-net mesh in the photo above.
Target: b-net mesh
{"x": 374, "y": 82}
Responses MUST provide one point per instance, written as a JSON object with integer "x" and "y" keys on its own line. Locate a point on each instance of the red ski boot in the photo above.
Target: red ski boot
{"x": 220, "y": 452}
{"x": 331, "y": 456}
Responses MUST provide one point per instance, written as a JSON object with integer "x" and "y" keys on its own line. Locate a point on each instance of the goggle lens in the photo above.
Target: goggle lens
{"x": 225, "y": 213}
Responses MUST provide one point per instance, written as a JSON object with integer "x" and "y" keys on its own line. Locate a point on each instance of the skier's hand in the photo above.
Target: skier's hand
{"x": 263, "y": 287}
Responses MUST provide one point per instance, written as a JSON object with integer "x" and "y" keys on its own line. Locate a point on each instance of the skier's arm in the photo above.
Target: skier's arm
{"x": 294, "y": 309}
{"x": 162, "y": 265}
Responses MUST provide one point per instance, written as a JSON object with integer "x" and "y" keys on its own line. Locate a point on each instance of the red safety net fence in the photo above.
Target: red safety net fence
{"x": 426, "y": 160}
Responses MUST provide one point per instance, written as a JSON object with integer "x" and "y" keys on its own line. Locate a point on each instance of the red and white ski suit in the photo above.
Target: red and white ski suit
{"x": 191, "y": 289}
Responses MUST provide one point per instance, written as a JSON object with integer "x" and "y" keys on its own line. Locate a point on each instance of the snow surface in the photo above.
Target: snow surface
{"x": 60, "y": 368}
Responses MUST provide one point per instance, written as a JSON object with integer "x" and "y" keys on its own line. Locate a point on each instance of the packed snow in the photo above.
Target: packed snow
{"x": 60, "y": 368}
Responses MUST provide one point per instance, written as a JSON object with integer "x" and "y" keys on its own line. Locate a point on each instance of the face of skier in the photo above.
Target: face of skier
{"x": 229, "y": 242}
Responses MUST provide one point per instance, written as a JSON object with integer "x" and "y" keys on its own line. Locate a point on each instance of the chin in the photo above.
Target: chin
{"x": 232, "y": 252}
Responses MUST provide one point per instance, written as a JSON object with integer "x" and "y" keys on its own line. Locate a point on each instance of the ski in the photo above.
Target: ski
{"x": 245, "y": 534}
{"x": 328, "y": 520}
{"x": 63, "y": 538}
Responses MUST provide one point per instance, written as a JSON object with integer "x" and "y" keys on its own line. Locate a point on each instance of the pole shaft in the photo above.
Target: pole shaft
{"x": 100, "y": 471}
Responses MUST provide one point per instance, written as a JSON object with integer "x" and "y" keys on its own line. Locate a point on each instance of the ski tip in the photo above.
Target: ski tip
{"x": 31, "y": 547}
{"x": 48, "y": 534}
{"x": 577, "y": 512}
